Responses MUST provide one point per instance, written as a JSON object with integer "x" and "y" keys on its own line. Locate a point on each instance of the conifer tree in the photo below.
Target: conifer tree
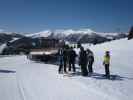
{"x": 130, "y": 35}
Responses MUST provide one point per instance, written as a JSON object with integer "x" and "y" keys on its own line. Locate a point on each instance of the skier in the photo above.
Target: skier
{"x": 60, "y": 52}
{"x": 72, "y": 57}
{"x": 65, "y": 57}
{"x": 90, "y": 58}
{"x": 83, "y": 61}
{"x": 106, "y": 63}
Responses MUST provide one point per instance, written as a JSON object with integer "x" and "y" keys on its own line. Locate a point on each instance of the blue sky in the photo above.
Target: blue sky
{"x": 38, "y": 15}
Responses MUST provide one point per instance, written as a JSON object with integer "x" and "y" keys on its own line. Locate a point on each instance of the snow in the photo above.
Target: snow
{"x": 39, "y": 81}
{"x": 71, "y": 31}
{"x": 46, "y": 52}
{"x": 61, "y": 33}
{"x": 37, "y": 53}
{"x": 44, "y": 33}
{"x": 9, "y": 89}
{"x": 109, "y": 34}
{"x": 2, "y": 47}
{"x": 121, "y": 65}
{"x": 14, "y": 39}
{"x": 66, "y": 33}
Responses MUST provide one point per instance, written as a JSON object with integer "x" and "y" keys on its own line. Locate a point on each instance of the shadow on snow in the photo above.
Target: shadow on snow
{"x": 102, "y": 76}
{"x": 7, "y": 71}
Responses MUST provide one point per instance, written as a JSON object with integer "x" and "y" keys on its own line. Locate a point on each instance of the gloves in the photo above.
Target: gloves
{"x": 103, "y": 63}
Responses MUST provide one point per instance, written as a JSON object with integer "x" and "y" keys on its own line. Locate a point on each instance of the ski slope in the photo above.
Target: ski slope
{"x": 9, "y": 89}
{"x": 38, "y": 81}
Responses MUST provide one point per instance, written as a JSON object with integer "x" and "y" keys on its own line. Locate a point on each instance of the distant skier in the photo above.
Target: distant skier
{"x": 60, "y": 52}
{"x": 90, "y": 58}
{"x": 83, "y": 61}
{"x": 72, "y": 58}
{"x": 106, "y": 63}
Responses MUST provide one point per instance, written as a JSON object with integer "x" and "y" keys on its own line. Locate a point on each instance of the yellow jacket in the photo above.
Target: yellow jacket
{"x": 106, "y": 60}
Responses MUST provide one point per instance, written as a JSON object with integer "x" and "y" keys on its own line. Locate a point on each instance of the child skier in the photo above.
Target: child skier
{"x": 106, "y": 63}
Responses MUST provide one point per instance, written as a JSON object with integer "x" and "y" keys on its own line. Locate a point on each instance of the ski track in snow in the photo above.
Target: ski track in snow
{"x": 9, "y": 89}
{"x": 46, "y": 83}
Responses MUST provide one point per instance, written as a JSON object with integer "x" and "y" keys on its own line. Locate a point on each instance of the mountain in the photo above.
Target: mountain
{"x": 5, "y": 38}
{"x": 21, "y": 45}
{"x": 45, "y": 33}
{"x": 9, "y": 36}
{"x": 70, "y": 35}
{"x": 60, "y": 33}
{"x": 80, "y": 35}
{"x": 17, "y": 42}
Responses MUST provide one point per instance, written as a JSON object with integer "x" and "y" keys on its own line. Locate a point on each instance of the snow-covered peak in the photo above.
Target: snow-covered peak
{"x": 61, "y": 32}
{"x": 108, "y": 34}
{"x": 71, "y": 31}
{"x": 44, "y": 33}
{"x": 76, "y": 34}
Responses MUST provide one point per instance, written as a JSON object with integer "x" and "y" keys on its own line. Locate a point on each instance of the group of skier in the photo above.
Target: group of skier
{"x": 67, "y": 56}
{"x": 86, "y": 60}
{"x": 67, "y": 59}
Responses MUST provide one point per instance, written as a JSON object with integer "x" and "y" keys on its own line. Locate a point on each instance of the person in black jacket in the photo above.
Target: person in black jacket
{"x": 60, "y": 53}
{"x": 90, "y": 58}
{"x": 83, "y": 61}
{"x": 65, "y": 57}
{"x": 72, "y": 57}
